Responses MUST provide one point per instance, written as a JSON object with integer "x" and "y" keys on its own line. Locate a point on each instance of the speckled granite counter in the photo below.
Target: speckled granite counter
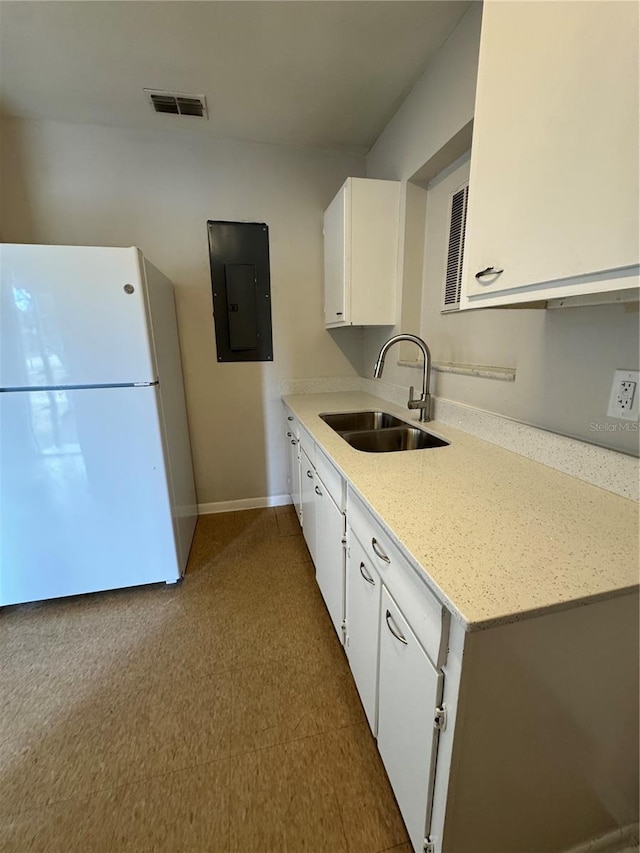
{"x": 496, "y": 536}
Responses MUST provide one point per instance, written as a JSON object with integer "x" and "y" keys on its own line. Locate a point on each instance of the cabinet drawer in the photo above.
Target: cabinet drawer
{"x": 332, "y": 480}
{"x": 429, "y": 620}
{"x": 307, "y": 444}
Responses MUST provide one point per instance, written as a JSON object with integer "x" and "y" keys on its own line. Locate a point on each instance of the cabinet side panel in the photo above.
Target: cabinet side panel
{"x": 336, "y": 304}
{"x": 375, "y": 211}
{"x": 545, "y": 751}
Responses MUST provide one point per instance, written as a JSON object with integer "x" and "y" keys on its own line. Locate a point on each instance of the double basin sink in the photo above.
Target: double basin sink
{"x": 379, "y": 432}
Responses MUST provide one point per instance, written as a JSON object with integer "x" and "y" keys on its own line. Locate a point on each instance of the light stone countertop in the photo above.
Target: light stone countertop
{"x": 498, "y": 537}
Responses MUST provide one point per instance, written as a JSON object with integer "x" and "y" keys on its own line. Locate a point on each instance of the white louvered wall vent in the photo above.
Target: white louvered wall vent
{"x": 455, "y": 248}
{"x": 177, "y": 103}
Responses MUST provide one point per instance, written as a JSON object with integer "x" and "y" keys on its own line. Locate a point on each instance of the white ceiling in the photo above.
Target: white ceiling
{"x": 326, "y": 74}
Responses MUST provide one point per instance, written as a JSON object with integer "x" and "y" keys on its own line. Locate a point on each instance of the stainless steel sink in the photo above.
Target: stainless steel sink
{"x": 380, "y": 432}
{"x": 393, "y": 439}
{"x": 357, "y": 421}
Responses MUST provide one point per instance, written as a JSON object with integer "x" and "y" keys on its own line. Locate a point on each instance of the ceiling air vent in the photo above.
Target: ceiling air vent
{"x": 177, "y": 103}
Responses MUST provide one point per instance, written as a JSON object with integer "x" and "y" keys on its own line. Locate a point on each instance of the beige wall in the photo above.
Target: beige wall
{"x": 84, "y": 184}
{"x": 565, "y": 358}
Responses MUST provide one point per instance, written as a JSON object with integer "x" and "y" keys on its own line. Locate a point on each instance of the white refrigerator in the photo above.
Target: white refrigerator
{"x": 96, "y": 479}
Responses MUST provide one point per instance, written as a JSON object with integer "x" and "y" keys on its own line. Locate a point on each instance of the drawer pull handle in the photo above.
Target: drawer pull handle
{"x": 318, "y": 492}
{"x": 366, "y": 575}
{"x": 488, "y": 271}
{"x": 293, "y": 441}
{"x": 395, "y": 633}
{"x": 310, "y": 475}
{"x": 289, "y": 418}
{"x": 378, "y": 550}
{"x": 290, "y": 434}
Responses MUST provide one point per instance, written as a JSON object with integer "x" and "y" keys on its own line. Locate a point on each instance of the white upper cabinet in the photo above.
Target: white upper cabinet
{"x": 361, "y": 254}
{"x": 553, "y": 189}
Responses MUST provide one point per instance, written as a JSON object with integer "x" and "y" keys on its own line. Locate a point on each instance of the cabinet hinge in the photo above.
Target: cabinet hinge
{"x": 428, "y": 846}
{"x": 343, "y": 629}
{"x": 440, "y": 718}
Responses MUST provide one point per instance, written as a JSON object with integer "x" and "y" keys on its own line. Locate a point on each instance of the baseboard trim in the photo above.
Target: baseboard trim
{"x": 244, "y": 503}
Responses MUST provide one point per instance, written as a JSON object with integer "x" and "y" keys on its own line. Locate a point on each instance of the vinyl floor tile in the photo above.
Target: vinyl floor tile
{"x": 287, "y": 520}
{"x": 368, "y": 809}
{"x": 115, "y": 738}
{"x": 279, "y": 802}
{"x": 285, "y": 701}
{"x": 217, "y": 714}
{"x": 184, "y": 811}
{"x": 76, "y": 826}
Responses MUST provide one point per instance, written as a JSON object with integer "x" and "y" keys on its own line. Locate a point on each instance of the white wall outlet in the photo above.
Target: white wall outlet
{"x": 623, "y": 402}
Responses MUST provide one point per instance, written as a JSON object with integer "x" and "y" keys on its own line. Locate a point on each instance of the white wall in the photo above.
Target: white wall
{"x": 564, "y": 359}
{"x": 90, "y": 185}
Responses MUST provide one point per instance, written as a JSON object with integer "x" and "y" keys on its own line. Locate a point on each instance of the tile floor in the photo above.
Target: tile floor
{"x": 215, "y": 715}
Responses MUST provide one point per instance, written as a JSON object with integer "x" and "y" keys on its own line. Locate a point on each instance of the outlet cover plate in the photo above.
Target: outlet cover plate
{"x": 625, "y": 391}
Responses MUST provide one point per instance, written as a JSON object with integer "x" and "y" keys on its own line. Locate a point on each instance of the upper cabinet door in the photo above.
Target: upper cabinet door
{"x": 361, "y": 254}
{"x": 553, "y": 190}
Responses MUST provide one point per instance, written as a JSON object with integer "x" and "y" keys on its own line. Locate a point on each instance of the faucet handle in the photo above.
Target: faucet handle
{"x": 421, "y": 403}
{"x": 413, "y": 403}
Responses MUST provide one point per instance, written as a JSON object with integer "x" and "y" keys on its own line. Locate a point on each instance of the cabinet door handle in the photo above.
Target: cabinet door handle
{"x": 366, "y": 575}
{"x": 289, "y": 418}
{"x": 290, "y": 434}
{"x": 310, "y": 475}
{"x": 395, "y": 633}
{"x": 378, "y": 550}
{"x": 318, "y": 492}
{"x": 293, "y": 441}
{"x": 338, "y": 313}
{"x": 488, "y": 271}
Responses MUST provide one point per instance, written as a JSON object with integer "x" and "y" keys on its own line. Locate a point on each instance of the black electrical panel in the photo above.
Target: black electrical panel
{"x": 239, "y": 257}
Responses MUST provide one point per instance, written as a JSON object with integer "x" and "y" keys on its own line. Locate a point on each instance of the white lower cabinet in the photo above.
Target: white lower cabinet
{"x": 523, "y": 687}
{"x": 399, "y": 687}
{"x": 307, "y": 476}
{"x": 329, "y": 554}
{"x": 317, "y": 492}
{"x": 409, "y": 693}
{"x": 363, "y": 618}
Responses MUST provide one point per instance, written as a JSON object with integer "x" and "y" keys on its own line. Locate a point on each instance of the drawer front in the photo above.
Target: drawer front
{"x": 307, "y": 444}
{"x": 429, "y": 620}
{"x": 331, "y": 479}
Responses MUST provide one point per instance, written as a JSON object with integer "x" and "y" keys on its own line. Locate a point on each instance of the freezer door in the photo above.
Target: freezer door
{"x": 84, "y": 499}
{"x": 73, "y": 315}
